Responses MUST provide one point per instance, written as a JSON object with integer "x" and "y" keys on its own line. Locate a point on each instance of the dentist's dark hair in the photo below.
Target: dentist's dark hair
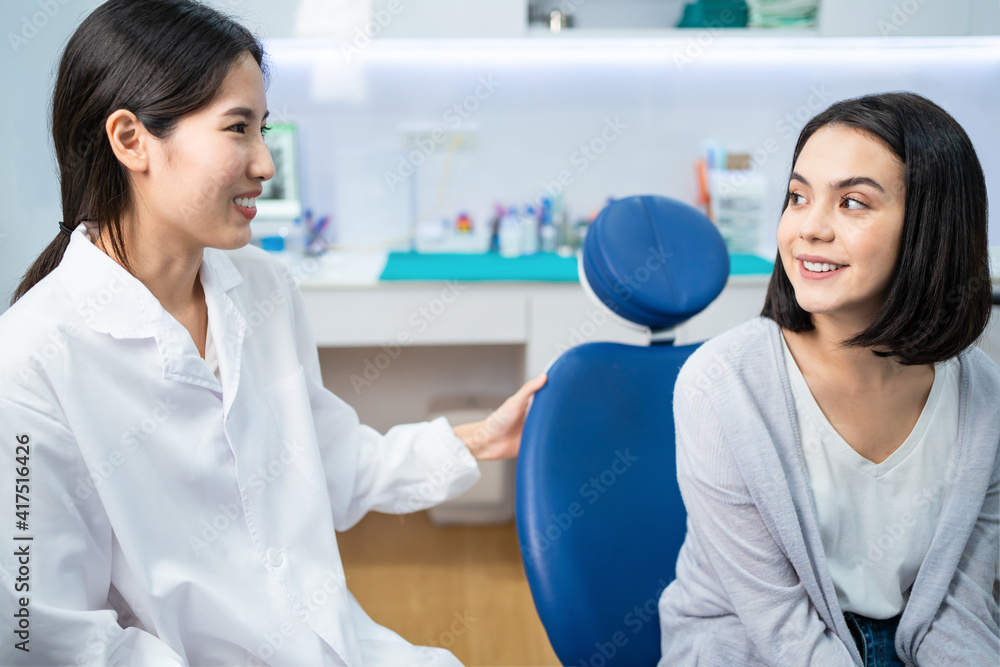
{"x": 939, "y": 298}
{"x": 159, "y": 59}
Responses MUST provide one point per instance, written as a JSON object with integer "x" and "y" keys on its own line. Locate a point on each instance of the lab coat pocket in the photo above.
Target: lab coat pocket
{"x": 288, "y": 400}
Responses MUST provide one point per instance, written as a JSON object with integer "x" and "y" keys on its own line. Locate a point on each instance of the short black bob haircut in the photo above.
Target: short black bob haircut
{"x": 939, "y": 298}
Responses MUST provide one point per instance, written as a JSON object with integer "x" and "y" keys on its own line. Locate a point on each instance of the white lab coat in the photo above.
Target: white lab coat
{"x": 176, "y": 521}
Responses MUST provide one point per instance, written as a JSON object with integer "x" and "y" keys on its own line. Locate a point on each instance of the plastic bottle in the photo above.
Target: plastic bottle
{"x": 548, "y": 233}
{"x": 509, "y": 234}
{"x": 560, "y": 220}
{"x": 549, "y": 237}
{"x": 494, "y": 226}
{"x": 295, "y": 235}
{"x": 738, "y": 203}
{"x": 529, "y": 230}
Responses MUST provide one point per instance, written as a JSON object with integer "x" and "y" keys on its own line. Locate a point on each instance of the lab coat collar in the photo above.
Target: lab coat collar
{"x": 229, "y": 327}
{"x": 113, "y": 301}
{"x": 109, "y": 298}
{"x": 225, "y": 274}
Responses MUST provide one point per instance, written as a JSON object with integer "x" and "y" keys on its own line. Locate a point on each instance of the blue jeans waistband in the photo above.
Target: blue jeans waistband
{"x": 876, "y": 639}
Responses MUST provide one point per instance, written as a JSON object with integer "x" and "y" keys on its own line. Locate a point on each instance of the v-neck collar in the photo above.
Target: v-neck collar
{"x": 844, "y": 450}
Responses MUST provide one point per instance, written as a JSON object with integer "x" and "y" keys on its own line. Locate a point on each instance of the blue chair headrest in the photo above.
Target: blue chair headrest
{"x": 654, "y": 261}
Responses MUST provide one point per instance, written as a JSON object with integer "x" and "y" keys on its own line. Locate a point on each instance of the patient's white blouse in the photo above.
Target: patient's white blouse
{"x": 876, "y": 520}
{"x": 179, "y": 520}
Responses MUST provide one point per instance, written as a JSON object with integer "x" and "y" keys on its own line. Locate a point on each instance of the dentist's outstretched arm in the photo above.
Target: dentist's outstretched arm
{"x": 499, "y": 435}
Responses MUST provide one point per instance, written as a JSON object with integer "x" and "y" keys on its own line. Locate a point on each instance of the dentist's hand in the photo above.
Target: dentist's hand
{"x": 499, "y": 435}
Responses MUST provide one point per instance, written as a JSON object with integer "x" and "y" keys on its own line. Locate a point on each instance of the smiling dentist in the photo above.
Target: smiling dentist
{"x": 178, "y": 474}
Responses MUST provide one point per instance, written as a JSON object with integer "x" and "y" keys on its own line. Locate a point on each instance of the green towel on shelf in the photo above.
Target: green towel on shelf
{"x": 783, "y": 13}
{"x": 544, "y": 267}
{"x": 714, "y": 13}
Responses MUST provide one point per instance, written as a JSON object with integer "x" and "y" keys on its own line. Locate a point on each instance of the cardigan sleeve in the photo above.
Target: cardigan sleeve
{"x": 965, "y": 627}
{"x": 751, "y": 569}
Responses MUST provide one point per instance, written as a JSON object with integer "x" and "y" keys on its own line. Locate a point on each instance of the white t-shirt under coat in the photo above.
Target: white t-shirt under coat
{"x": 877, "y": 519}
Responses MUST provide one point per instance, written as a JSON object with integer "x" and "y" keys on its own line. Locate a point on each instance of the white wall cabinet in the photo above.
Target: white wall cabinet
{"x": 391, "y": 349}
{"x": 902, "y": 18}
{"x": 451, "y": 18}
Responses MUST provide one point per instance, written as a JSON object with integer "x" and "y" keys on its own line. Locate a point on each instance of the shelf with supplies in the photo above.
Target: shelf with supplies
{"x": 535, "y": 32}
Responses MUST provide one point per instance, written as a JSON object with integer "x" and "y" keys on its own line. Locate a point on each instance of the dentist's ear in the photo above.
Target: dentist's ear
{"x": 129, "y": 140}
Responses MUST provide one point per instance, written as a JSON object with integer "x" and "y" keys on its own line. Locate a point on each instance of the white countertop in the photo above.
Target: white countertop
{"x": 335, "y": 269}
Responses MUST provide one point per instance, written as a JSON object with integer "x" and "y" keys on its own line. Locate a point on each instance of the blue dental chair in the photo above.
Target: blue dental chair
{"x": 599, "y": 513}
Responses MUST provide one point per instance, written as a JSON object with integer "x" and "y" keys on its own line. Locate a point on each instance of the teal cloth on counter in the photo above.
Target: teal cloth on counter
{"x": 749, "y": 265}
{"x": 539, "y": 267}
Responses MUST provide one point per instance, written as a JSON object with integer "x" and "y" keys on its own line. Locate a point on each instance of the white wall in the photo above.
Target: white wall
{"x": 28, "y": 184}
{"x": 552, "y": 98}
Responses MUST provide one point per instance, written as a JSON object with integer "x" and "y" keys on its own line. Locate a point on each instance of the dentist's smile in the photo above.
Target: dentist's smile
{"x": 246, "y": 204}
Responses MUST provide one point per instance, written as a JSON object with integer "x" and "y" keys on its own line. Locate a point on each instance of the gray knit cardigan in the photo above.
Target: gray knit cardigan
{"x": 752, "y": 586}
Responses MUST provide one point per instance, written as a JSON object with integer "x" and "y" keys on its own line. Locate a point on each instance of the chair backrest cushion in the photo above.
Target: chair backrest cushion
{"x": 654, "y": 261}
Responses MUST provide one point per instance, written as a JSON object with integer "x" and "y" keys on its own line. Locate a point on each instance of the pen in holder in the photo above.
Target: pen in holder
{"x": 315, "y": 240}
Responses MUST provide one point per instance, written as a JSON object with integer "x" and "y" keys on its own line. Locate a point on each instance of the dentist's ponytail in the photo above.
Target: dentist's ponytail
{"x": 159, "y": 59}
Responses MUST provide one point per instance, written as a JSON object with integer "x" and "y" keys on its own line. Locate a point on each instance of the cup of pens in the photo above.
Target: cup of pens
{"x": 316, "y": 242}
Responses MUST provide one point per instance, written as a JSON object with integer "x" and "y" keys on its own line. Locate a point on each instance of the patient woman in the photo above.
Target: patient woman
{"x": 180, "y": 468}
{"x": 838, "y": 456}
